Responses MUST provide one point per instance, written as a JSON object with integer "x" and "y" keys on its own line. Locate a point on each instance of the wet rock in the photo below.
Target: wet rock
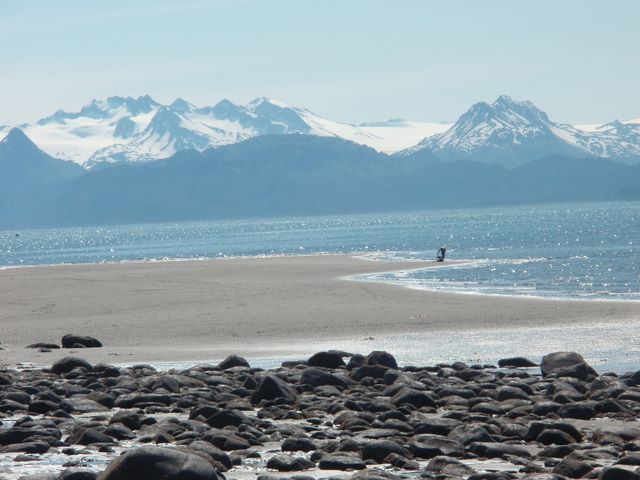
{"x": 298, "y": 444}
{"x": 331, "y": 360}
{"x": 448, "y": 466}
{"x": 341, "y": 462}
{"x": 554, "y": 437}
{"x": 566, "y": 364}
{"x": 379, "y": 450}
{"x": 398, "y": 461}
{"x": 66, "y": 364}
{"x": 382, "y": 358}
{"x": 316, "y": 377}
{"x": 617, "y": 473}
{"x": 156, "y": 463}
{"x": 233, "y": 361}
{"x": 498, "y": 450}
{"x": 75, "y": 341}
{"x": 284, "y": 463}
{"x": 130, "y": 419}
{"x": 88, "y": 436}
{"x": 413, "y": 397}
{"x": 373, "y": 371}
{"x": 271, "y": 388}
{"x": 37, "y": 448}
{"x": 572, "y": 468}
{"x": 220, "y": 459}
{"x": 516, "y": 362}
{"x": 225, "y": 418}
{"x": 77, "y": 474}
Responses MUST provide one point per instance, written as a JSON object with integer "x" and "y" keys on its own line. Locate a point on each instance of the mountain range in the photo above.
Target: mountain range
{"x": 506, "y": 132}
{"x": 275, "y": 160}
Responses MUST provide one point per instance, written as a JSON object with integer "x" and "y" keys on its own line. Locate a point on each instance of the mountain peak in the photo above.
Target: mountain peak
{"x": 16, "y": 137}
{"x": 180, "y": 105}
{"x": 505, "y": 100}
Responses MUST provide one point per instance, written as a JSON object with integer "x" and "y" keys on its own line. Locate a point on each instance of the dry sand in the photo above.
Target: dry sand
{"x": 256, "y": 307}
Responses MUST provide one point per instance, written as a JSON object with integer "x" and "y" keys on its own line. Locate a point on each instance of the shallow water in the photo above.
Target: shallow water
{"x": 587, "y": 250}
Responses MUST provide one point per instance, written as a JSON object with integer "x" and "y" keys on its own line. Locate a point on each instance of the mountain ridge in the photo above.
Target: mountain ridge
{"x": 506, "y": 132}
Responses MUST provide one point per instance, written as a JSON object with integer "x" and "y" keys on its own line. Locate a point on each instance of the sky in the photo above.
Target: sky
{"x": 354, "y": 61}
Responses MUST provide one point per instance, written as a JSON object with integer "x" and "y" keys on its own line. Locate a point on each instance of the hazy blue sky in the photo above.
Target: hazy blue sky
{"x": 357, "y": 60}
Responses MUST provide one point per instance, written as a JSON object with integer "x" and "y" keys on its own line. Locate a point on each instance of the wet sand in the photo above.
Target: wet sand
{"x": 255, "y": 307}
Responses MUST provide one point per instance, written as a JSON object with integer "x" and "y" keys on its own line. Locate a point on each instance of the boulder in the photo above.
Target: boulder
{"x": 379, "y": 357}
{"x": 572, "y": 468}
{"x": 233, "y": 361}
{"x": 74, "y": 341}
{"x": 617, "y": 473}
{"x": 284, "y": 463}
{"x": 413, "y": 397}
{"x": 270, "y": 388}
{"x": 156, "y": 463}
{"x": 326, "y": 360}
{"x": 77, "y": 474}
{"x": 316, "y": 377}
{"x": 298, "y": 444}
{"x": 566, "y": 364}
{"x": 516, "y": 362}
{"x": 66, "y": 364}
{"x": 341, "y": 462}
{"x": 379, "y": 450}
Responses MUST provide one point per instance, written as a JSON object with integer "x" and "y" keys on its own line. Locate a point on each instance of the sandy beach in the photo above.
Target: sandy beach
{"x": 256, "y": 307}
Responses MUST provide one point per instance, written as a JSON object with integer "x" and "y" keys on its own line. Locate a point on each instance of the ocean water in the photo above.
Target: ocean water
{"x": 587, "y": 250}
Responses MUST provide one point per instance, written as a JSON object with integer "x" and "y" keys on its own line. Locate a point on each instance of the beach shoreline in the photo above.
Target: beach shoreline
{"x": 259, "y": 307}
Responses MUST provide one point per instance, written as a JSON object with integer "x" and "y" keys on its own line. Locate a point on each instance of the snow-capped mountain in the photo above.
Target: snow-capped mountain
{"x": 506, "y": 132}
{"x": 511, "y": 133}
{"x": 125, "y": 129}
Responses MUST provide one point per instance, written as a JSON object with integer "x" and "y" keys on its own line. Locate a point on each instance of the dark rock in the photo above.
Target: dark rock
{"x": 572, "y": 468}
{"x": 66, "y": 364}
{"x": 271, "y": 388}
{"x": 398, "y": 461}
{"x": 218, "y": 456}
{"x": 498, "y": 450}
{"x": 582, "y": 411}
{"x": 413, "y": 397}
{"x": 27, "y": 447}
{"x": 316, "y": 377}
{"x": 77, "y": 474}
{"x": 358, "y": 360}
{"x": 87, "y": 436}
{"x": 224, "y": 418}
{"x": 127, "y": 418}
{"x": 73, "y": 341}
{"x": 156, "y": 463}
{"x": 373, "y": 371}
{"x": 381, "y": 449}
{"x": 284, "y": 463}
{"x": 381, "y": 358}
{"x": 516, "y": 362}
{"x": 554, "y": 437}
{"x": 617, "y": 473}
{"x": 298, "y": 444}
{"x": 629, "y": 460}
{"x": 448, "y": 466}
{"x": 326, "y": 360}
{"x": 566, "y": 364}
{"x": 233, "y": 361}
{"x": 50, "y": 346}
{"x": 341, "y": 462}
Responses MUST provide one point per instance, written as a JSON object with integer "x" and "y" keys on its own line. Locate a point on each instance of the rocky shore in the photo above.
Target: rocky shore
{"x": 335, "y": 415}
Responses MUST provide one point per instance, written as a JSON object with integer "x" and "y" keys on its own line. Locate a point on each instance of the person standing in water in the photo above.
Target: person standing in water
{"x": 442, "y": 251}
